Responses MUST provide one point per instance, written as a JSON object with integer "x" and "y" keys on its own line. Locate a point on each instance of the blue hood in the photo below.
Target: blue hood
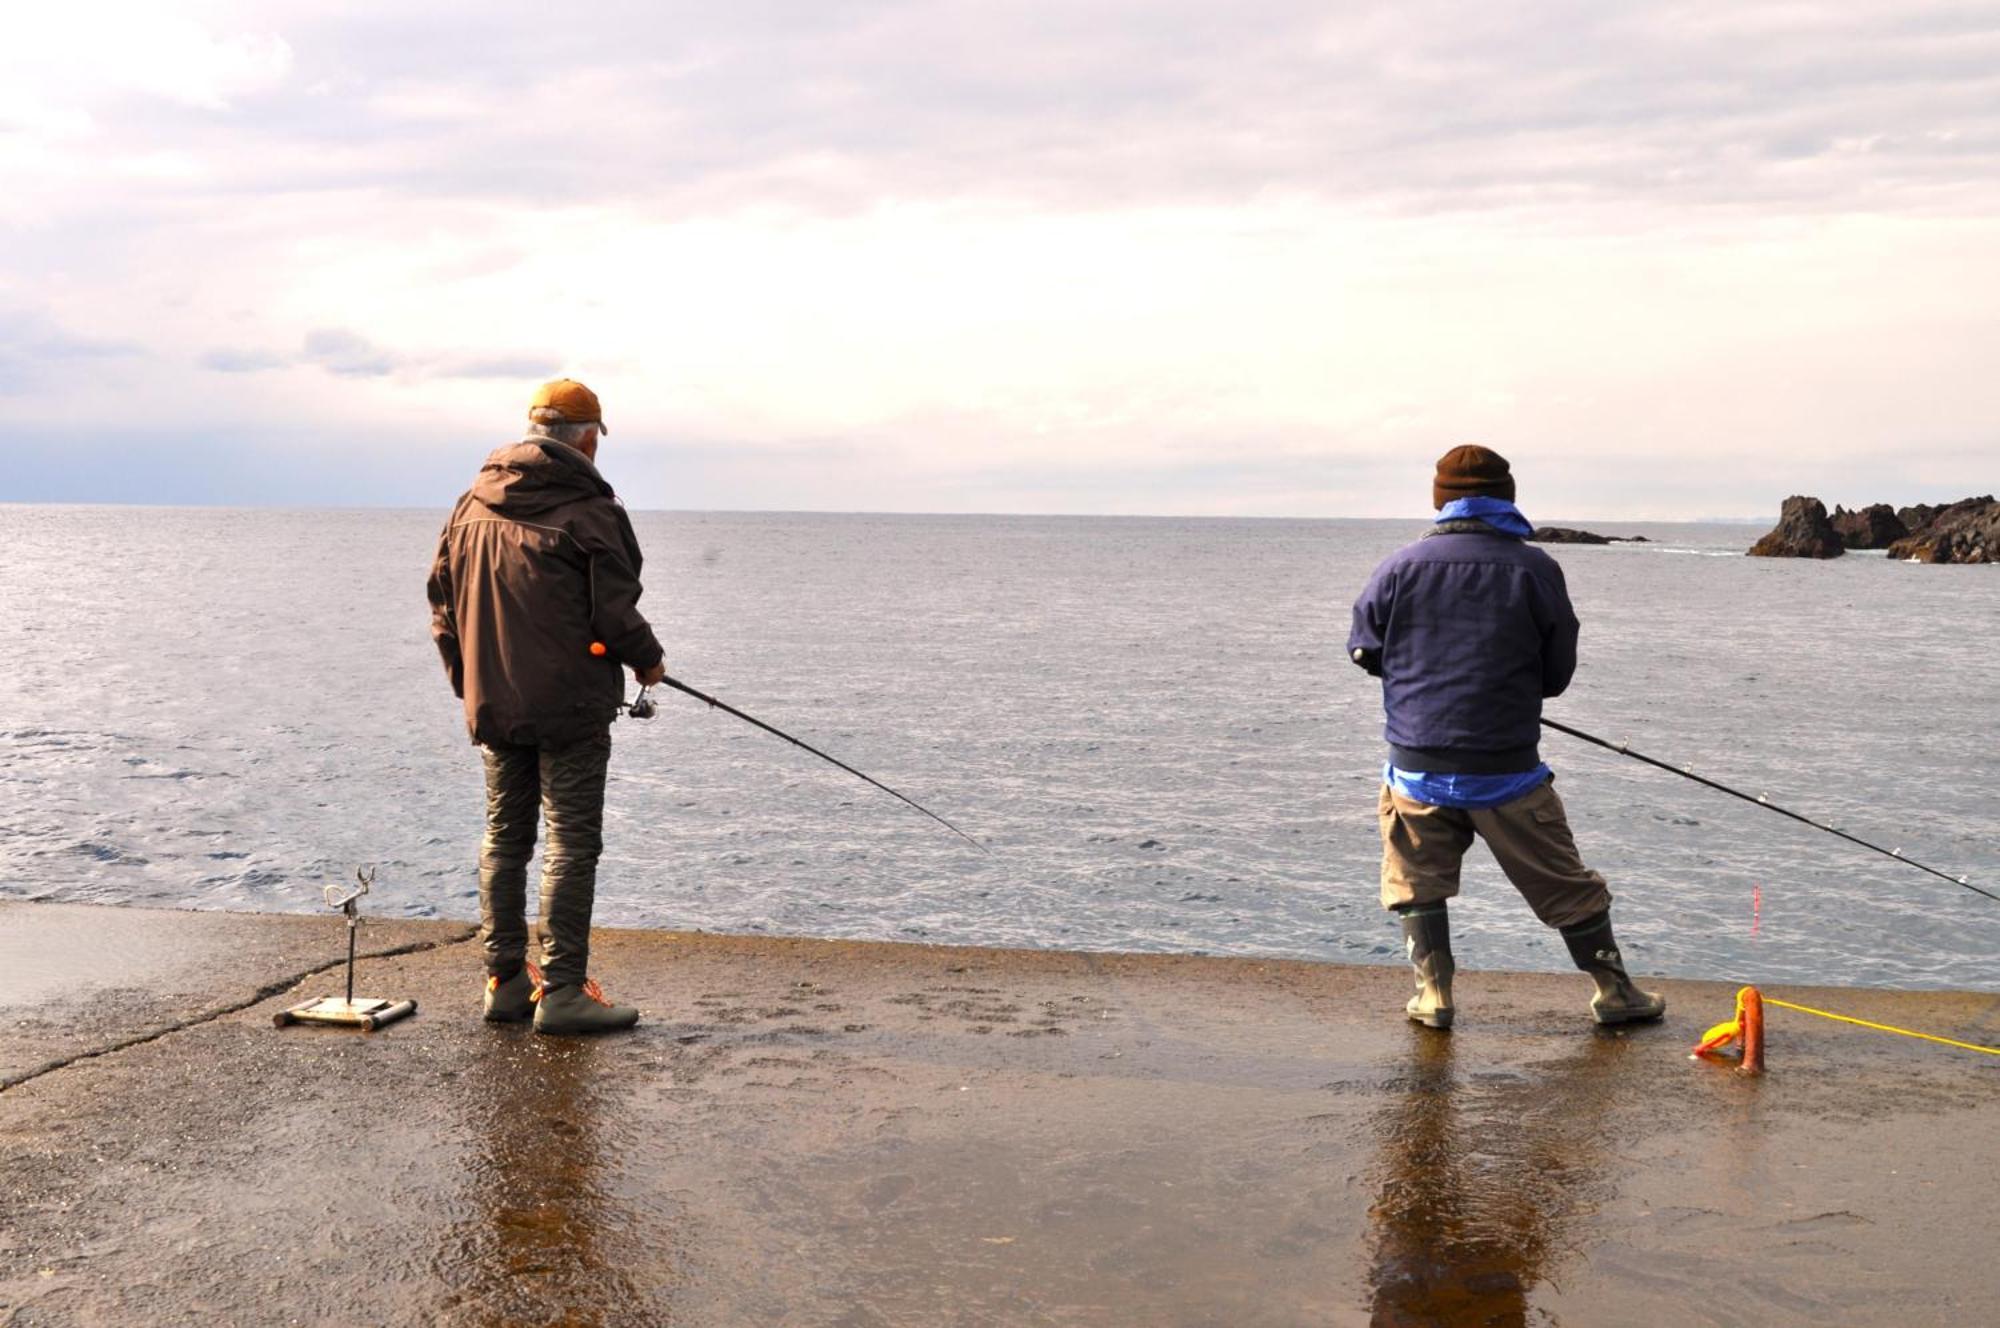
{"x": 1498, "y": 513}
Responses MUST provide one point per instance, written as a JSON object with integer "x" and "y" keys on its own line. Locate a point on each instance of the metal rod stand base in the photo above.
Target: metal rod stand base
{"x": 365, "y": 1013}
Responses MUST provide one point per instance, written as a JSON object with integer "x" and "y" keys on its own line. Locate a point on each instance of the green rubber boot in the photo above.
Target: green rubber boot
{"x": 580, "y": 1008}
{"x": 1618, "y": 1000}
{"x": 1427, "y": 941}
{"x": 510, "y": 1000}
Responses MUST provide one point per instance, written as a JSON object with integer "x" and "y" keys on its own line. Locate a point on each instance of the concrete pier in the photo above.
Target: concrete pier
{"x": 810, "y": 1133}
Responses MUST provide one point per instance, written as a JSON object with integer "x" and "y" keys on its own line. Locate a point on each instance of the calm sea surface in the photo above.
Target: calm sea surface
{"x": 1150, "y": 722}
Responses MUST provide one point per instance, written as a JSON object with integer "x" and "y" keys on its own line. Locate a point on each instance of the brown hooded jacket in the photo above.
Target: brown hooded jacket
{"x": 538, "y": 561}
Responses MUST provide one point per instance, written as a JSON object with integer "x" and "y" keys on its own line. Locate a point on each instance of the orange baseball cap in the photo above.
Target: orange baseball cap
{"x": 572, "y": 400}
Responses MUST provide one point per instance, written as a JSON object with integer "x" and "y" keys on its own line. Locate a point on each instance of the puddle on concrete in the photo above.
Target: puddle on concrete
{"x": 77, "y": 948}
{"x": 1191, "y": 1152}
{"x": 1482, "y": 1174}
{"x": 545, "y": 1236}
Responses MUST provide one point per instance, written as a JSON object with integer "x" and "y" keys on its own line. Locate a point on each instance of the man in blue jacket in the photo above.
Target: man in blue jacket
{"x": 1469, "y": 629}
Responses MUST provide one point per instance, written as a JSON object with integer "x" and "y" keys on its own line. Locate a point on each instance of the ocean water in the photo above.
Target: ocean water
{"x": 1150, "y": 722}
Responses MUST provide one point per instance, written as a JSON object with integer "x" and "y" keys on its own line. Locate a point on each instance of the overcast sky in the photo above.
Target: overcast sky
{"x": 1173, "y": 256}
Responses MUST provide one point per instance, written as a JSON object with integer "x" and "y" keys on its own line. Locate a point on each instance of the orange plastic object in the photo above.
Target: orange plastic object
{"x": 1751, "y": 1003}
{"x": 597, "y": 649}
{"x": 1716, "y": 1039}
{"x": 1745, "y": 1031}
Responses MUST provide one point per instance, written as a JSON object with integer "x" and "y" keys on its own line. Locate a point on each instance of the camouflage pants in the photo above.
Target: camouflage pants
{"x": 566, "y": 785}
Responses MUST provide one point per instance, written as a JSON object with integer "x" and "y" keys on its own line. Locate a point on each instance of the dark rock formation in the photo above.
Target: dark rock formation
{"x": 1803, "y": 531}
{"x": 1924, "y": 514}
{"x": 1875, "y": 527}
{"x": 1967, "y": 532}
{"x": 1918, "y": 515}
{"x": 1564, "y": 535}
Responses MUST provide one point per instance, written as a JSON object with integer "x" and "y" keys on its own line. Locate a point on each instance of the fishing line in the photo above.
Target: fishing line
{"x": 1764, "y": 802}
{"x": 1882, "y": 1028}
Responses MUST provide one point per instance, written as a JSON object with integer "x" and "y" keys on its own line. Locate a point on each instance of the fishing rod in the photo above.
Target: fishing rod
{"x": 1764, "y": 802}
{"x": 644, "y": 708}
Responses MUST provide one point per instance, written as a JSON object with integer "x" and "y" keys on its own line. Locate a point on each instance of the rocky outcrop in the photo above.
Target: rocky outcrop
{"x": 1924, "y": 514}
{"x": 1803, "y": 531}
{"x": 1875, "y": 527}
{"x": 1918, "y": 515}
{"x": 1564, "y": 535}
{"x": 1965, "y": 532}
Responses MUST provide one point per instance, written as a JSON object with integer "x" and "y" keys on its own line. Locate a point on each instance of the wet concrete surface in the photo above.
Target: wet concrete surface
{"x": 852, "y": 1134}
{"x": 77, "y": 979}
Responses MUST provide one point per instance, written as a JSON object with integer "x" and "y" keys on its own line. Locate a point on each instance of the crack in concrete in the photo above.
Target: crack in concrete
{"x": 263, "y": 993}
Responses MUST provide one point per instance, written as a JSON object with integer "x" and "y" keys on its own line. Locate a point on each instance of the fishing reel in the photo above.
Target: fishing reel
{"x": 645, "y": 707}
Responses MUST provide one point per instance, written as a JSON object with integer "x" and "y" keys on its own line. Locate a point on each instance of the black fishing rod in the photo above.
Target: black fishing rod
{"x": 643, "y": 708}
{"x": 1764, "y": 802}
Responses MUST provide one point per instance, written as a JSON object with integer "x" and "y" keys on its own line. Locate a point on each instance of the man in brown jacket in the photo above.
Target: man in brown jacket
{"x": 534, "y": 607}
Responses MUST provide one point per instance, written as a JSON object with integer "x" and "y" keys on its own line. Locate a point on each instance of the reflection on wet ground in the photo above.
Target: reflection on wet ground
{"x": 76, "y": 979}
{"x": 77, "y": 948}
{"x": 826, "y": 1133}
{"x": 1481, "y": 1176}
{"x": 544, "y": 1238}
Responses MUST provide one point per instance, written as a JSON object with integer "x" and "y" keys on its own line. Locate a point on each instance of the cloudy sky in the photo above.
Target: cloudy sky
{"x": 1173, "y": 256}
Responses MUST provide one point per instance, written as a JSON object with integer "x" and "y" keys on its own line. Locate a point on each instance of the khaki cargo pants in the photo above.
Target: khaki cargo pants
{"x": 565, "y": 785}
{"x": 1423, "y": 845}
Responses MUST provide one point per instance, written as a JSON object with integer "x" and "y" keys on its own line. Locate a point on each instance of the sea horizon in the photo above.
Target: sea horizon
{"x": 444, "y": 505}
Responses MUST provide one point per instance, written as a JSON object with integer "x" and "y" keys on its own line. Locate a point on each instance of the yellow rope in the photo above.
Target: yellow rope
{"x": 1882, "y": 1028}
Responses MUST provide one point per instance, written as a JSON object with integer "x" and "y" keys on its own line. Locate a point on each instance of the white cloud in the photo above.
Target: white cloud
{"x": 141, "y": 49}
{"x": 1011, "y": 251}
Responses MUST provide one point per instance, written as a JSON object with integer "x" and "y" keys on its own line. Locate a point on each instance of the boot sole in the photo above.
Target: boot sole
{"x": 492, "y": 1017}
{"x": 586, "y": 1032}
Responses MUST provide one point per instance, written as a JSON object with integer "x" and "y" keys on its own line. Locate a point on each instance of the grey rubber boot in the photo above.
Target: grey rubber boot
{"x": 1427, "y": 941}
{"x": 1595, "y": 951}
{"x": 510, "y": 1000}
{"x": 580, "y": 1008}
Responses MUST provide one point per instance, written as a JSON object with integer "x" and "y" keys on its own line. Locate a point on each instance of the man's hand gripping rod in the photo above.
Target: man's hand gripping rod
{"x": 645, "y": 708}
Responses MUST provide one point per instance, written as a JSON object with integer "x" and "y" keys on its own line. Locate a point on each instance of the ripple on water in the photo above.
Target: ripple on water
{"x": 1140, "y": 718}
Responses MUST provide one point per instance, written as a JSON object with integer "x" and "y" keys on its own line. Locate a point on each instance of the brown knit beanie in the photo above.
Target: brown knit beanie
{"x": 1471, "y": 471}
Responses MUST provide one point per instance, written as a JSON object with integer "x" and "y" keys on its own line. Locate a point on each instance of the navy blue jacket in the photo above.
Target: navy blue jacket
{"x": 1469, "y": 629}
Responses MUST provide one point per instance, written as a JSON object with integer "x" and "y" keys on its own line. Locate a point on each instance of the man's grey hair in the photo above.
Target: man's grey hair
{"x": 547, "y": 422}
